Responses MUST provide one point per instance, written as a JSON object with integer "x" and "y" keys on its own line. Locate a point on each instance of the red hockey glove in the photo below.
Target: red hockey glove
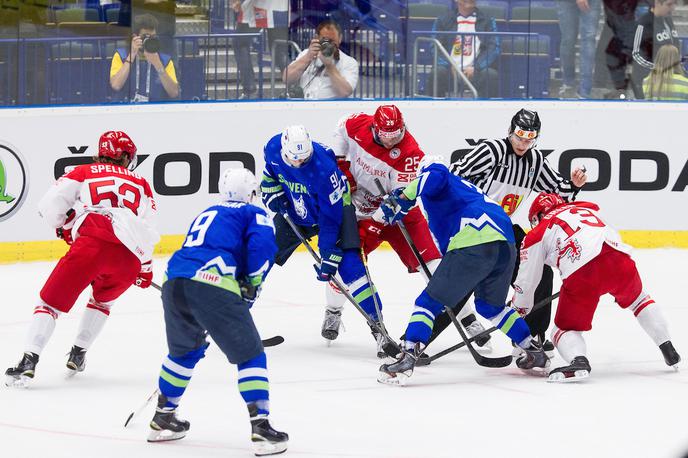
{"x": 65, "y": 232}
{"x": 370, "y": 233}
{"x": 345, "y": 167}
{"x": 145, "y": 276}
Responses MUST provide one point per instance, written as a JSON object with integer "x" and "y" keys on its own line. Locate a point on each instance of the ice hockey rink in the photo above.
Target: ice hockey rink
{"x": 328, "y": 399}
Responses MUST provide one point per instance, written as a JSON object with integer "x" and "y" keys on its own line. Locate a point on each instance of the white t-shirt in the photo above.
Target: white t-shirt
{"x": 466, "y": 45}
{"x": 316, "y": 83}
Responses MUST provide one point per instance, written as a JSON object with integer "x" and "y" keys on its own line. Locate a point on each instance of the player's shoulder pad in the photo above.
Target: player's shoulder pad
{"x": 274, "y": 145}
{"x": 535, "y": 235}
{"x": 358, "y": 121}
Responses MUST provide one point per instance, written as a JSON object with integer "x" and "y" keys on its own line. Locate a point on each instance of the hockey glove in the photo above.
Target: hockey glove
{"x": 395, "y": 206}
{"x": 250, "y": 288}
{"x": 65, "y": 232}
{"x": 145, "y": 276}
{"x": 277, "y": 202}
{"x": 329, "y": 265}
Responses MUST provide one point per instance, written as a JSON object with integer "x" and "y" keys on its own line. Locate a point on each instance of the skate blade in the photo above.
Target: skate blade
{"x": 72, "y": 370}
{"x": 261, "y": 447}
{"x": 560, "y": 377}
{"x": 399, "y": 379}
{"x": 165, "y": 435}
{"x": 18, "y": 382}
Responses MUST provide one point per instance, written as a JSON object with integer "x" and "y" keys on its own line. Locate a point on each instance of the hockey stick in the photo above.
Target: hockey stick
{"x": 424, "y": 361}
{"x": 480, "y": 359}
{"x": 337, "y": 283}
{"x": 376, "y": 303}
{"x": 138, "y": 411}
{"x": 269, "y": 342}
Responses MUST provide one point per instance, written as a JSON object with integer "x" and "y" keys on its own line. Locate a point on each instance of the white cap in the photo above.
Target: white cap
{"x": 238, "y": 185}
{"x": 296, "y": 143}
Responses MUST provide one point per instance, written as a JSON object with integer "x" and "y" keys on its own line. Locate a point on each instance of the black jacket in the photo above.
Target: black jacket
{"x": 489, "y": 46}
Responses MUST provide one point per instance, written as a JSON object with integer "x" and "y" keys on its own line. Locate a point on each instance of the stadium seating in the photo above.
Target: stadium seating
{"x": 525, "y": 67}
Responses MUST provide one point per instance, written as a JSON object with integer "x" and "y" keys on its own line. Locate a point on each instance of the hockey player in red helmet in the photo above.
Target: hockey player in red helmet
{"x": 105, "y": 212}
{"x": 574, "y": 239}
{"x": 115, "y": 144}
{"x": 379, "y": 147}
{"x": 388, "y": 126}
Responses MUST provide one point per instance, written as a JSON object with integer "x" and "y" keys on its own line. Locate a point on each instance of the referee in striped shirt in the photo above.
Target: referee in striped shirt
{"x": 508, "y": 170}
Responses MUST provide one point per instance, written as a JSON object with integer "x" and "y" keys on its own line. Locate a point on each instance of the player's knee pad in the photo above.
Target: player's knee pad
{"x": 351, "y": 268}
{"x": 428, "y": 303}
{"x": 642, "y": 301}
{"x": 103, "y": 307}
{"x": 489, "y": 311}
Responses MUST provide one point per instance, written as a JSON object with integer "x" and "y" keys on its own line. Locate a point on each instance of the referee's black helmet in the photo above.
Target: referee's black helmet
{"x": 526, "y": 120}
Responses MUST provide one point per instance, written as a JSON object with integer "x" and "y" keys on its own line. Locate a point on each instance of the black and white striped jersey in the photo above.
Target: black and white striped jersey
{"x": 507, "y": 178}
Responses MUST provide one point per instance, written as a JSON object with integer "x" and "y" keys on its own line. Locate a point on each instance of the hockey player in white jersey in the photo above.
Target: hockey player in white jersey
{"x": 379, "y": 147}
{"x": 105, "y": 212}
{"x": 574, "y": 239}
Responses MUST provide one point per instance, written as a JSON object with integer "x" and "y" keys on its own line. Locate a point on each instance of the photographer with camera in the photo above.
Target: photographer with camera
{"x": 323, "y": 71}
{"x": 145, "y": 56}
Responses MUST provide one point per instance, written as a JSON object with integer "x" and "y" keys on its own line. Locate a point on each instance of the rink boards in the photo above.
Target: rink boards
{"x": 636, "y": 162}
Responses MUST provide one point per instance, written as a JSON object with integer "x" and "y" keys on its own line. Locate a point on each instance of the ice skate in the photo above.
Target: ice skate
{"x": 21, "y": 375}
{"x": 331, "y": 324}
{"x": 265, "y": 440}
{"x": 385, "y": 347}
{"x": 165, "y": 426}
{"x": 671, "y": 356}
{"x": 473, "y": 328}
{"x": 533, "y": 359}
{"x": 547, "y": 347}
{"x": 76, "y": 361}
{"x": 398, "y": 372}
{"x": 579, "y": 369}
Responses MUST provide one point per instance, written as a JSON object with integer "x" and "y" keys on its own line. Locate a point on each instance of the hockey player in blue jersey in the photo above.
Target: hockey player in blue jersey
{"x": 301, "y": 179}
{"x": 211, "y": 283}
{"x": 476, "y": 237}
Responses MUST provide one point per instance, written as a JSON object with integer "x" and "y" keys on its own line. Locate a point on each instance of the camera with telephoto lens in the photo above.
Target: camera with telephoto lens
{"x": 150, "y": 43}
{"x": 327, "y": 47}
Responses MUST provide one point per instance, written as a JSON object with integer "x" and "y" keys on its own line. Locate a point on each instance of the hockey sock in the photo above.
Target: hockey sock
{"x": 362, "y": 292}
{"x": 650, "y": 318}
{"x": 422, "y": 319}
{"x": 569, "y": 344}
{"x": 41, "y": 328}
{"x": 507, "y": 320}
{"x": 92, "y": 322}
{"x": 176, "y": 373}
{"x": 333, "y": 297}
{"x": 253, "y": 384}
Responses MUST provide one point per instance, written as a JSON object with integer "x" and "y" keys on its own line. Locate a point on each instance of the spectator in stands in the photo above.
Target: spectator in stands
{"x": 154, "y": 74}
{"x": 474, "y": 54}
{"x": 667, "y": 80}
{"x": 655, "y": 28}
{"x": 324, "y": 71}
{"x": 620, "y": 17}
{"x": 578, "y": 18}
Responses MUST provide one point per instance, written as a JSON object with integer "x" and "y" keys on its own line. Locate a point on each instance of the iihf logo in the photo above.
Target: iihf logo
{"x": 394, "y": 153}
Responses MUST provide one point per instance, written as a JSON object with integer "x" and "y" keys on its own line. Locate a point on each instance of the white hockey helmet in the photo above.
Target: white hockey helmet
{"x": 296, "y": 144}
{"x": 428, "y": 160}
{"x": 238, "y": 185}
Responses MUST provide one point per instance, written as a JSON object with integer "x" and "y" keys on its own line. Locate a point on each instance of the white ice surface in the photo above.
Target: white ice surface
{"x": 328, "y": 399}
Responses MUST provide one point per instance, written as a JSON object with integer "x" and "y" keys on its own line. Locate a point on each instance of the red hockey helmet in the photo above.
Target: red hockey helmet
{"x": 114, "y": 144}
{"x": 543, "y": 204}
{"x": 388, "y": 125}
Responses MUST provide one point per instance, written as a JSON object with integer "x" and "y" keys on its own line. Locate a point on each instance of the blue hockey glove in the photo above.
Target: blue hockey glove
{"x": 329, "y": 265}
{"x": 250, "y": 288}
{"x": 277, "y": 202}
{"x": 396, "y": 206}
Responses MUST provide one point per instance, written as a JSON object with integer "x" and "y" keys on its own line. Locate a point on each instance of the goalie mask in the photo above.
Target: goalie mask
{"x": 543, "y": 204}
{"x": 238, "y": 185}
{"x": 114, "y": 144}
